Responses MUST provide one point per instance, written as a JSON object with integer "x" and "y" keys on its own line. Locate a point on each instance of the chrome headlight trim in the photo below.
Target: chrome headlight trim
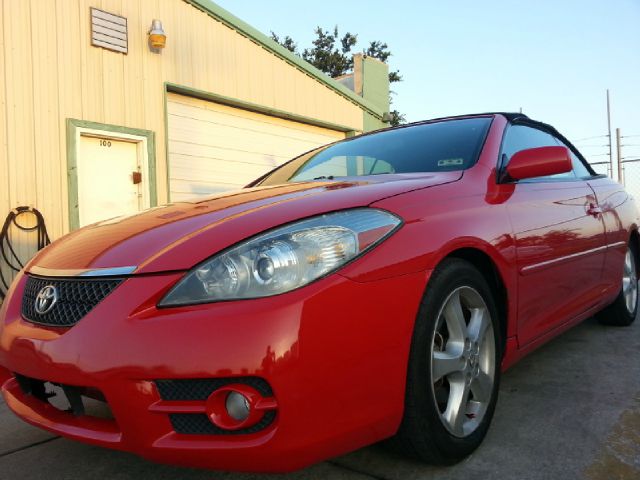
{"x": 300, "y": 253}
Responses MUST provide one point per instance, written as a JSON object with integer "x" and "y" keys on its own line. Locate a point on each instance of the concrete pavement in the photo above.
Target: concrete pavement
{"x": 571, "y": 410}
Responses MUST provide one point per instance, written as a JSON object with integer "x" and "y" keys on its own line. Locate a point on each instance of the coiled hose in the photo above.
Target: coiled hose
{"x": 7, "y": 252}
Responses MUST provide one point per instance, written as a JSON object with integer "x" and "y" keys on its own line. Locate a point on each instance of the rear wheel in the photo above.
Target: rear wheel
{"x": 622, "y": 312}
{"x": 453, "y": 374}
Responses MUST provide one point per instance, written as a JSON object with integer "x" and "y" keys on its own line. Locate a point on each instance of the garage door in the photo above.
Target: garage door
{"x": 214, "y": 148}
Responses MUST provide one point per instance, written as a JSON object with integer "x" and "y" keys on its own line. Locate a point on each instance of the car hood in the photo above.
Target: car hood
{"x": 180, "y": 235}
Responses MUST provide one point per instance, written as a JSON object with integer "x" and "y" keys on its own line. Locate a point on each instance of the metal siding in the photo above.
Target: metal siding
{"x": 50, "y": 72}
{"x": 375, "y": 85}
{"x": 4, "y": 163}
{"x": 20, "y": 114}
{"x": 70, "y": 95}
{"x": 93, "y": 77}
{"x": 45, "y": 107}
{"x": 259, "y": 38}
{"x": 113, "y": 71}
{"x": 133, "y": 70}
{"x": 153, "y": 68}
{"x": 371, "y": 123}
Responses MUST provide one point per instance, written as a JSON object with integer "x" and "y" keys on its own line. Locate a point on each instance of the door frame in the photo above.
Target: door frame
{"x": 144, "y": 140}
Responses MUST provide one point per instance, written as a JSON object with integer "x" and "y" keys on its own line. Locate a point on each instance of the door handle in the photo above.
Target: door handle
{"x": 594, "y": 210}
{"x": 136, "y": 177}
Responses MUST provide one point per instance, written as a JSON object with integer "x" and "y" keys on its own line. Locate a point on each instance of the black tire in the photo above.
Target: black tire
{"x": 422, "y": 433}
{"x": 618, "y": 314}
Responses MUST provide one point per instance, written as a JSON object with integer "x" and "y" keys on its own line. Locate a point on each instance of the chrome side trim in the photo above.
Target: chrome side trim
{"x": 84, "y": 272}
{"x": 539, "y": 266}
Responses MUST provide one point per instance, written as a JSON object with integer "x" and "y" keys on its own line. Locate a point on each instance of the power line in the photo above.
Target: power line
{"x": 591, "y": 138}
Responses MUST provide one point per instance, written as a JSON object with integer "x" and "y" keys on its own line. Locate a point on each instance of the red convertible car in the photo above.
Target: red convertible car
{"x": 371, "y": 289}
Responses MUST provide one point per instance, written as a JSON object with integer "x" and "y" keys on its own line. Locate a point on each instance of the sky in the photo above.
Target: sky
{"x": 553, "y": 59}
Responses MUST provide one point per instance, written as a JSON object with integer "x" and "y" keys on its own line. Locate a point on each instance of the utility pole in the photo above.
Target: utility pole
{"x": 610, "y": 139}
{"x": 619, "y": 147}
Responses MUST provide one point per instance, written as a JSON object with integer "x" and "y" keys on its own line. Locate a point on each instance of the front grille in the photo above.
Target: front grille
{"x": 199, "y": 424}
{"x": 201, "y": 388}
{"x": 76, "y": 298}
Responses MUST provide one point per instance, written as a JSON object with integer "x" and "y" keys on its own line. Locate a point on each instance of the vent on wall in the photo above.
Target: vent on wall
{"x": 108, "y": 31}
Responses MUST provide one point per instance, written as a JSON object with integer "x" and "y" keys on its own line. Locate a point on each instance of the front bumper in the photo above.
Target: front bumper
{"x": 334, "y": 353}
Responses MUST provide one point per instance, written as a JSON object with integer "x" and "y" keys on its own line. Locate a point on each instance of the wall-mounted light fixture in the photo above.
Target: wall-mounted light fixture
{"x": 157, "y": 37}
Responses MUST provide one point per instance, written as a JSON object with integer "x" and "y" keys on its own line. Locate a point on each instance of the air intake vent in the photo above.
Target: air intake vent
{"x": 194, "y": 389}
{"x": 199, "y": 424}
{"x": 108, "y": 31}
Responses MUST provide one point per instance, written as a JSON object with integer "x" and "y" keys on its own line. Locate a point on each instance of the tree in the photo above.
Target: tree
{"x": 332, "y": 54}
{"x": 287, "y": 42}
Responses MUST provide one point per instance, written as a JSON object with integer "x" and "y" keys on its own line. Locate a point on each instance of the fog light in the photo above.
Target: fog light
{"x": 237, "y": 406}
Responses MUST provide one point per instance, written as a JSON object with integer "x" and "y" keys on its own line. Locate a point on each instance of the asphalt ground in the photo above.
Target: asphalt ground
{"x": 569, "y": 410}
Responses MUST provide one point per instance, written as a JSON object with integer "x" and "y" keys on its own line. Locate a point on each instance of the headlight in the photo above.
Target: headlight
{"x": 283, "y": 259}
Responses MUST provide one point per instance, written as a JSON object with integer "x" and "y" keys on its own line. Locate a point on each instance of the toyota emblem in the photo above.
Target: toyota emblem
{"x": 46, "y": 299}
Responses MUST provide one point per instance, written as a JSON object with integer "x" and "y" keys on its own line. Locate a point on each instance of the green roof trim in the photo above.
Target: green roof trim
{"x": 234, "y": 102}
{"x": 266, "y": 42}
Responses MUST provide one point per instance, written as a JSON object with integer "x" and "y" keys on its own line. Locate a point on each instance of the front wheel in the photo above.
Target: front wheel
{"x": 622, "y": 312}
{"x": 454, "y": 367}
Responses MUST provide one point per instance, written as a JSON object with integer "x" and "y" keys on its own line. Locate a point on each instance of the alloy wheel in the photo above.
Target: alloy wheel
{"x": 630, "y": 282}
{"x": 463, "y": 356}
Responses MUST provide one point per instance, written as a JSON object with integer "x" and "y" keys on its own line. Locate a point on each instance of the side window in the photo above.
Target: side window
{"x": 578, "y": 167}
{"x": 521, "y": 137}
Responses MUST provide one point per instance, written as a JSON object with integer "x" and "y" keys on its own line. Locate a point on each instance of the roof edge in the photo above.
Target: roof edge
{"x": 510, "y": 116}
{"x": 243, "y": 28}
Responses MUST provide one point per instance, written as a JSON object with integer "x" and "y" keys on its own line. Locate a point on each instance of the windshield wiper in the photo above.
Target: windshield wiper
{"x": 324, "y": 177}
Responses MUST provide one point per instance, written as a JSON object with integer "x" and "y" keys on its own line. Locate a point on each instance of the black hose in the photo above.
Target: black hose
{"x": 10, "y": 257}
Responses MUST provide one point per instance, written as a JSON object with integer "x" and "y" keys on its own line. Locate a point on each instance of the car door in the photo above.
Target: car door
{"x": 617, "y": 213}
{"x": 559, "y": 239}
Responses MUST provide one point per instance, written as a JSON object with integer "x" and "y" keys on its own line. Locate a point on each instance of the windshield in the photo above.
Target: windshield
{"x": 431, "y": 147}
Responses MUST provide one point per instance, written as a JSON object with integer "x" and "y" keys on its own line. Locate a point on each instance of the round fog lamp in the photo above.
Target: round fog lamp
{"x": 237, "y": 406}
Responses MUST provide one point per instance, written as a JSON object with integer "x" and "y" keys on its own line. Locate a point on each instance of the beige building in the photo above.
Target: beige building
{"x": 95, "y": 122}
